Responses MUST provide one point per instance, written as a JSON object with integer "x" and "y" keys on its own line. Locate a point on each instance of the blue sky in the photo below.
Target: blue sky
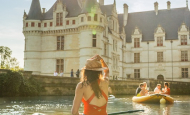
{"x": 11, "y": 14}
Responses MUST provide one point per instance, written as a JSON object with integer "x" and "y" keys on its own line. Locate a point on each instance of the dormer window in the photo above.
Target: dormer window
{"x": 159, "y": 41}
{"x": 95, "y": 17}
{"x": 89, "y": 18}
{"x": 32, "y": 24}
{"x": 82, "y": 19}
{"x": 183, "y": 39}
{"x": 59, "y": 19}
{"x": 136, "y": 42}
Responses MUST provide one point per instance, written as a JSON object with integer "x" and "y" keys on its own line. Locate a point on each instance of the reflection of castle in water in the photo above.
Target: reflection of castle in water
{"x": 153, "y": 109}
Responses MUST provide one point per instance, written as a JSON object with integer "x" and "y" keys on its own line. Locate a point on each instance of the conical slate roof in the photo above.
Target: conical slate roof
{"x": 35, "y": 11}
{"x": 88, "y": 5}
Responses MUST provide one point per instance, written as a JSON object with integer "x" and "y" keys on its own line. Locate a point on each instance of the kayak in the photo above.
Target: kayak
{"x": 153, "y": 98}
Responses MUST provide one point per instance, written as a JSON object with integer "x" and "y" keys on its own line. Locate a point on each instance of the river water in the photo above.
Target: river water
{"x": 61, "y": 105}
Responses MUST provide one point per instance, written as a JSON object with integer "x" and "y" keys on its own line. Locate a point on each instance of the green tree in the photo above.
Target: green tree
{"x": 14, "y": 64}
{"x": 5, "y": 53}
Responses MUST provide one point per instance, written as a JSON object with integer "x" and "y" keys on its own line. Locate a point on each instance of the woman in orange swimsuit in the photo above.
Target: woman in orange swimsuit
{"x": 93, "y": 88}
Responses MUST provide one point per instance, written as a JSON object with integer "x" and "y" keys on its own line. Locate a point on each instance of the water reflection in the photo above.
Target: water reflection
{"x": 61, "y": 105}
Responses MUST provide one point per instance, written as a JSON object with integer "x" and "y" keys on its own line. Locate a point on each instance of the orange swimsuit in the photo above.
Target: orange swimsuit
{"x": 93, "y": 109}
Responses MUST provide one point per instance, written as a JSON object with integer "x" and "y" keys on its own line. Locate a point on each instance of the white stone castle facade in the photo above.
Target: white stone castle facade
{"x": 151, "y": 44}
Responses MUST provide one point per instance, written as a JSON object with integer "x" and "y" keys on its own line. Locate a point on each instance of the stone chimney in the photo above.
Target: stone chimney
{"x": 125, "y": 14}
{"x": 101, "y": 2}
{"x": 156, "y": 7}
{"x": 43, "y": 10}
{"x": 168, "y": 5}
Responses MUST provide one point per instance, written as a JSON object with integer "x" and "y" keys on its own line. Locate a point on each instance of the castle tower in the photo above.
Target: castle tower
{"x": 91, "y": 31}
{"x": 32, "y": 33}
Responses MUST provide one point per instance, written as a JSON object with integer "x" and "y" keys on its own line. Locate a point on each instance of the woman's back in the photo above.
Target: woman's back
{"x": 88, "y": 92}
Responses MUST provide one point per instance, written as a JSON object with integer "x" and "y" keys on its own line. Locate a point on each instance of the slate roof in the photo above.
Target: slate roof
{"x": 88, "y": 5}
{"x": 107, "y": 9}
{"x": 148, "y": 21}
{"x": 72, "y": 7}
{"x": 35, "y": 11}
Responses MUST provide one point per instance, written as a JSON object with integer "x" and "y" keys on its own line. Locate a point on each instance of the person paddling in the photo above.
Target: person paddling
{"x": 166, "y": 90}
{"x": 140, "y": 91}
{"x": 93, "y": 88}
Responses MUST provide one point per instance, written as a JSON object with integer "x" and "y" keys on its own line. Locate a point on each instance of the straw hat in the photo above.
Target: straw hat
{"x": 93, "y": 64}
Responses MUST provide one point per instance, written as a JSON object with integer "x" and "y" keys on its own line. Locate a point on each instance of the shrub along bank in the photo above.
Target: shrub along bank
{"x": 12, "y": 83}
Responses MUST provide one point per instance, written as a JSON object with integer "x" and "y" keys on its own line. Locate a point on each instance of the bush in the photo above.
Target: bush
{"x": 13, "y": 83}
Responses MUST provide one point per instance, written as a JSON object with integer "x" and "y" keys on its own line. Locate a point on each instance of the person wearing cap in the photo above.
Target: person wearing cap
{"x": 93, "y": 88}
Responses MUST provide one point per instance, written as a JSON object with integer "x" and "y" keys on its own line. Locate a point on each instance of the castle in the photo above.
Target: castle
{"x": 150, "y": 44}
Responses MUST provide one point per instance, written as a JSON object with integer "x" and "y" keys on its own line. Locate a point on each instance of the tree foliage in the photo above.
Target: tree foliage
{"x": 6, "y": 61}
{"x": 13, "y": 83}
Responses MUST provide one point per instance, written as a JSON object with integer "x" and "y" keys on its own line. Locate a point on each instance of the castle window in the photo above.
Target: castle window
{"x": 45, "y": 24}
{"x": 67, "y": 22}
{"x": 136, "y": 42}
{"x": 136, "y": 73}
{"x": 59, "y": 19}
{"x": 136, "y": 57}
{"x": 184, "y": 72}
{"x": 100, "y": 19}
{"x": 59, "y": 65}
{"x": 93, "y": 40}
{"x": 184, "y": 40}
{"x": 82, "y": 19}
{"x": 60, "y": 43}
{"x": 114, "y": 45}
{"x": 51, "y": 24}
{"x": 32, "y": 24}
{"x": 39, "y": 24}
{"x": 27, "y": 24}
{"x": 89, "y": 18}
{"x": 184, "y": 56}
{"x": 95, "y": 17}
{"x": 160, "y": 41}
{"x": 105, "y": 49}
{"x": 159, "y": 56}
{"x": 73, "y": 21}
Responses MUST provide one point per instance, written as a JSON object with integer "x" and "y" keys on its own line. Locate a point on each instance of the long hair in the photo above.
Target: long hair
{"x": 90, "y": 77}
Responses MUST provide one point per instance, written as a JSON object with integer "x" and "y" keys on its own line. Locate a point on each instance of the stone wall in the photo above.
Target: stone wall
{"x": 66, "y": 86}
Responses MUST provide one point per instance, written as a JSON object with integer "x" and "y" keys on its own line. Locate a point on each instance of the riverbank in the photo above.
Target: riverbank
{"x": 55, "y": 86}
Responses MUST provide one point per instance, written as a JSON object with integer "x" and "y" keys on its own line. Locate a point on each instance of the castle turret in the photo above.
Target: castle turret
{"x": 91, "y": 31}
{"x": 32, "y": 33}
{"x": 35, "y": 11}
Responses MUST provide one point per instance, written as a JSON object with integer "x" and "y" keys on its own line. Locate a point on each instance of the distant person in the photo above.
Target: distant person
{"x": 61, "y": 74}
{"x": 145, "y": 87}
{"x": 77, "y": 73}
{"x": 93, "y": 88}
{"x": 72, "y": 75}
{"x": 55, "y": 73}
{"x": 140, "y": 91}
{"x": 166, "y": 90}
{"x": 157, "y": 90}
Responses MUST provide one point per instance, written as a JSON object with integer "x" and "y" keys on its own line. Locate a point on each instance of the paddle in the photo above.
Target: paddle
{"x": 123, "y": 112}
